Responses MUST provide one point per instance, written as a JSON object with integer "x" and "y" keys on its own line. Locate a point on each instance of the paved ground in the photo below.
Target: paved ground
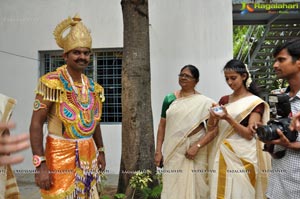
{"x": 27, "y": 187}
{"x": 29, "y": 190}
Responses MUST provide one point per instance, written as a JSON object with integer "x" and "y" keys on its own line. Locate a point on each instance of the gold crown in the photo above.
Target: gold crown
{"x": 78, "y": 36}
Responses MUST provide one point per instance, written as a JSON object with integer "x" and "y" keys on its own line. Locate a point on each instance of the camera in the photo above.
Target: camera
{"x": 217, "y": 110}
{"x": 280, "y": 109}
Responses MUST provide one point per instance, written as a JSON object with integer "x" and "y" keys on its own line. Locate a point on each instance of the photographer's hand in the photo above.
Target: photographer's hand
{"x": 295, "y": 123}
{"x": 283, "y": 141}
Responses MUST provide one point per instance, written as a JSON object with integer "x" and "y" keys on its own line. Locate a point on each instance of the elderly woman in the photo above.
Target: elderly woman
{"x": 182, "y": 124}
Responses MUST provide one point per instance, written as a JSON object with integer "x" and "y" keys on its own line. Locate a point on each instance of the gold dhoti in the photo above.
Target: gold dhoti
{"x": 73, "y": 168}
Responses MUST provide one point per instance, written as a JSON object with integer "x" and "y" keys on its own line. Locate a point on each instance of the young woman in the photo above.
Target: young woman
{"x": 235, "y": 154}
{"x": 182, "y": 124}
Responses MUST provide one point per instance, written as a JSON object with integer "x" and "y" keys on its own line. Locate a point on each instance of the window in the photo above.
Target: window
{"x": 105, "y": 68}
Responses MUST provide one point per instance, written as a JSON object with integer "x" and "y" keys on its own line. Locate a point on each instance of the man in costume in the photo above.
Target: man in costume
{"x": 71, "y": 104}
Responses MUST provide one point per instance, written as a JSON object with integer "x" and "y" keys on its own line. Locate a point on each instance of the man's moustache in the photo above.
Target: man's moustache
{"x": 81, "y": 60}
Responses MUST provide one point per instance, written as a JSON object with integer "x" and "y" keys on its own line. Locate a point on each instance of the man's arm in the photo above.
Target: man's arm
{"x": 39, "y": 116}
{"x": 283, "y": 141}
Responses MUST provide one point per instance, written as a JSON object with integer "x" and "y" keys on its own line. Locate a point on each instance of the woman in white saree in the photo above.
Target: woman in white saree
{"x": 8, "y": 182}
{"x": 235, "y": 155}
{"x": 182, "y": 124}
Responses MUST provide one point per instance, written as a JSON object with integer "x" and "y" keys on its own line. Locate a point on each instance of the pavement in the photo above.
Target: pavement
{"x": 29, "y": 190}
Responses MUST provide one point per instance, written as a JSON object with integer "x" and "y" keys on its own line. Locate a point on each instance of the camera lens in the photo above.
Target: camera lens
{"x": 264, "y": 132}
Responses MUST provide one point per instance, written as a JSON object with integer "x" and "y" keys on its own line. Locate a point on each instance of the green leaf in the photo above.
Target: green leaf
{"x": 156, "y": 191}
{"x": 119, "y": 195}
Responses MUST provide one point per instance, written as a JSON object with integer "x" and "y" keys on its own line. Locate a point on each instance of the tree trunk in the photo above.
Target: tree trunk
{"x": 137, "y": 121}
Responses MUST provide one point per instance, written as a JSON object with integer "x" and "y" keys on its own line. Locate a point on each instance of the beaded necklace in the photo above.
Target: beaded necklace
{"x": 80, "y": 97}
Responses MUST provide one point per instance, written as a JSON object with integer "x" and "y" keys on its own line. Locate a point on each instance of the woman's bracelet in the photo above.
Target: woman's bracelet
{"x": 211, "y": 125}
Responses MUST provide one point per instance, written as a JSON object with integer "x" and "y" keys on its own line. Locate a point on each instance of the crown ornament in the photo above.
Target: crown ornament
{"x": 78, "y": 35}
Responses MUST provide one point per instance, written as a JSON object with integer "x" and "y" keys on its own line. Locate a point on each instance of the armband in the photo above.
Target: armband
{"x": 37, "y": 105}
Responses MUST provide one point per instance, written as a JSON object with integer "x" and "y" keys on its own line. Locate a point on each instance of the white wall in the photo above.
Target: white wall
{"x": 181, "y": 32}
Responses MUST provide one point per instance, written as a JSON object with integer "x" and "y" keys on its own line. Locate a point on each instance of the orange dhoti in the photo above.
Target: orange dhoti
{"x": 73, "y": 168}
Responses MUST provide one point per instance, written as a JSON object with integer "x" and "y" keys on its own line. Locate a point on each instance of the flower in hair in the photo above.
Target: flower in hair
{"x": 249, "y": 79}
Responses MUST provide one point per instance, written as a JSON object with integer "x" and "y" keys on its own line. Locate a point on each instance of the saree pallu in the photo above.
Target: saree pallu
{"x": 72, "y": 164}
{"x": 184, "y": 178}
{"x": 8, "y": 184}
{"x": 240, "y": 165}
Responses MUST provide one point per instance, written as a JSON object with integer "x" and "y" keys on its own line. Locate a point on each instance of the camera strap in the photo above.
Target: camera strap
{"x": 277, "y": 154}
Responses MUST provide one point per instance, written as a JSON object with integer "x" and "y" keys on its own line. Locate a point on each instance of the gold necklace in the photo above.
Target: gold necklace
{"x": 181, "y": 94}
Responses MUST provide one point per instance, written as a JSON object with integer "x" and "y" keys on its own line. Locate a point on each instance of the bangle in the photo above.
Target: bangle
{"x": 37, "y": 160}
{"x": 211, "y": 125}
{"x": 101, "y": 149}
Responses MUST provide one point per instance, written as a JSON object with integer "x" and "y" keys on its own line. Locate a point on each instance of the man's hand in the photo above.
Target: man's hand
{"x": 43, "y": 177}
{"x": 101, "y": 161}
{"x": 283, "y": 141}
{"x": 295, "y": 123}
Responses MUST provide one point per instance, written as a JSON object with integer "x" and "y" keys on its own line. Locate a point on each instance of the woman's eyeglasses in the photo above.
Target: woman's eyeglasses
{"x": 182, "y": 75}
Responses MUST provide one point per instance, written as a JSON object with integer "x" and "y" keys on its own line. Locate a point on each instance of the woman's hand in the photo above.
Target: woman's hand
{"x": 192, "y": 152}
{"x": 158, "y": 158}
{"x": 220, "y": 115}
{"x": 253, "y": 127}
{"x": 212, "y": 120}
{"x": 11, "y": 144}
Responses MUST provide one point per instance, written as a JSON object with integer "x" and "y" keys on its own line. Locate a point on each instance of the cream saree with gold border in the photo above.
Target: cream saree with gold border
{"x": 8, "y": 183}
{"x": 239, "y": 164}
{"x": 184, "y": 178}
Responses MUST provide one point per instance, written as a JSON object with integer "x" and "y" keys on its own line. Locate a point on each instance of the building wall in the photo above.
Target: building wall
{"x": 181, "y": 32}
